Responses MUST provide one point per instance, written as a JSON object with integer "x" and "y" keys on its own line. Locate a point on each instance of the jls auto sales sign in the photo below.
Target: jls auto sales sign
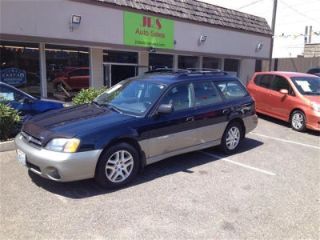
{"x": 148, "y": 31}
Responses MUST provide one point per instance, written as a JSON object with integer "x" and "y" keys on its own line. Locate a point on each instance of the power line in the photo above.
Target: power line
{"x": 297, "y": 11}
{"x": 249, "y": 4}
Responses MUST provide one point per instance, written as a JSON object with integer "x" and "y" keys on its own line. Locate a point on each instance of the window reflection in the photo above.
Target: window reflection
{"x": 212, "y": 63}
{"x": 67, "y": 71}
{"x": 20, "y": 66}
{"x": 232, "y": 66}
{"x": 188, "y": 62}
{"x": 160, "y": 61}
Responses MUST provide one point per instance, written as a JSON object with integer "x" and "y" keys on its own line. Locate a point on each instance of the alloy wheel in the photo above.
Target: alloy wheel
{"x": 119, "y": 166}
{"x": 233, "y": 138}
{"x": 297, "y": 120}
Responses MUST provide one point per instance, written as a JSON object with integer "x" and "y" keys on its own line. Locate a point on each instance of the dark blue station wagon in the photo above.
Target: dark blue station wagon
{"x": 137, "y": 122}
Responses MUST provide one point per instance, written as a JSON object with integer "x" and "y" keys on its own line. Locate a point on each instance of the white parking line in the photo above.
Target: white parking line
{"x": 237, "y": 163}
{"x": 286, "y": 141}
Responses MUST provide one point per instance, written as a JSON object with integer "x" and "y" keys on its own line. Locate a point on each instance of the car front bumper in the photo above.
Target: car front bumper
{"x": 57, "y": 166}
{"x": 313, "y": 121}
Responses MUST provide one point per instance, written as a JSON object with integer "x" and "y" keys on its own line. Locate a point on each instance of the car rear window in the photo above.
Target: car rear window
{"x": 263, "y": 80}
{"x": 232, "y": 90}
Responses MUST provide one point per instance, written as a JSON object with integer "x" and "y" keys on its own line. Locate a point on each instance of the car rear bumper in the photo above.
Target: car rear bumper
{"x": 250, "y": 122}
{"x": 57, "y": 166}
{"x": 313, "y": 121}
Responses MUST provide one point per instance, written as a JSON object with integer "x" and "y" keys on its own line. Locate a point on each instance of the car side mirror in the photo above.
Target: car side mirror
{"x": 165, "y": 108}
{"x": 284, "y": 91}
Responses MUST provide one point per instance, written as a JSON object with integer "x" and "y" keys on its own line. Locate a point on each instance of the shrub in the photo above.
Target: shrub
{"x": 87, "y": 95}
{"x": 9, "y": 121}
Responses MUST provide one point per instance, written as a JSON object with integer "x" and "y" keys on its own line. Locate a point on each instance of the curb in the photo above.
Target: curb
{"x": 7, "y": 146}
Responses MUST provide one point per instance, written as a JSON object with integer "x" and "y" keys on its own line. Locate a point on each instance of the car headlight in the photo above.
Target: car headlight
{"x": 315, "y": 106}
{"x": 63, "y": 145}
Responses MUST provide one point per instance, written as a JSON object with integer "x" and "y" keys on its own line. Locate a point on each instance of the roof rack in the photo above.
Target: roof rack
{"x": 206, "y": 71}
{"x": 168, "y": 70}
{"x": 187, "y": 71}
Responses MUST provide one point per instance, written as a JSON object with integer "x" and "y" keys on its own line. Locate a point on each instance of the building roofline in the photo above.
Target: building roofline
{"x": 262, "y": 28}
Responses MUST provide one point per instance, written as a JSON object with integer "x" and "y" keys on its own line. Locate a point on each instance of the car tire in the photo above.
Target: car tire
{"x": 298, "y": 121}
{"x": 117, "y": 166}
{"x": 232, "y": 137}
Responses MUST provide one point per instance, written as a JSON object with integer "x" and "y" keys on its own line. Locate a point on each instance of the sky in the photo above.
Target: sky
{"x": 292, "y": 17}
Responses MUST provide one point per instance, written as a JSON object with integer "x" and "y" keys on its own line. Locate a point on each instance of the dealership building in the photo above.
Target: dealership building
{"x": 54, "y": 48}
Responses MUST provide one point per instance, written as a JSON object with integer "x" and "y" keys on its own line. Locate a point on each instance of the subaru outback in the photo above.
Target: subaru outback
{"x": 137, "y": 122}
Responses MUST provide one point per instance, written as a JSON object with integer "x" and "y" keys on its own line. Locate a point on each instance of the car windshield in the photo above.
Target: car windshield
{"x": 307, "y": 85}
{"x": 131, "y": 96}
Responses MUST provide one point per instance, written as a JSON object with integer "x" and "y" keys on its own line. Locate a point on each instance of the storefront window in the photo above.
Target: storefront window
{"x": 258, "y": 66}
{"x": 212, "y": 63}
{"x": 67, "y": 71}
{"x": 119, "y": 65}
{"x": 160, "y": 61}
{"x": 120, "y": 57}
{"x": 20, "y": 66}
{"x": 188, "y": 62}
{"x": 232, "y": 66}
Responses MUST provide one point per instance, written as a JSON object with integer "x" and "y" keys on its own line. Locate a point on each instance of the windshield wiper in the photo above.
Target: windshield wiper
{"x": 113, "y": 107}
{"x": 96, "y": 103}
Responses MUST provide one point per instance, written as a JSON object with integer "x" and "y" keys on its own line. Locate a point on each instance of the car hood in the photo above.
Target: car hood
{"x": 42, "y": 105}
{"x": 313, "y": 98}
{"x": 72, "y": 121}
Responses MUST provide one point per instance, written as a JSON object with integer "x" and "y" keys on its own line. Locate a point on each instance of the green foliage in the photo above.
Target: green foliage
{"x": 87, "y": 95}
{"x": 9, "y": 121}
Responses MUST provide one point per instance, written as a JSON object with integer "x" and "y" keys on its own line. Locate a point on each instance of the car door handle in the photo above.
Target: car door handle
{"x": 189, "y": 119}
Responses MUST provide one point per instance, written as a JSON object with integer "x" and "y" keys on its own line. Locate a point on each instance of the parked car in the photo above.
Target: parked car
{"x": 291, "y": 97}
{"x": 314, "y": 71}
{"x": 26, "y": 104}
{"x": 73, "y": 79}
{"x": 137, "y": 122}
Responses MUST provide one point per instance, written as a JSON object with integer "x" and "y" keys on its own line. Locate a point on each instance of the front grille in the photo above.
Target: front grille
{"x": 30, "y": 139}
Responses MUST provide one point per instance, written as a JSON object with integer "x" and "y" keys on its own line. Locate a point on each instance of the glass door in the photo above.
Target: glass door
{"x": 114, "y": 73}
{"x": 107, "y": 75}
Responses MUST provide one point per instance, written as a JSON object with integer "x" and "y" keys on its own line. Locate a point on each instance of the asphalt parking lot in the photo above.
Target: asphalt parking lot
{"x": 269, "y": 190}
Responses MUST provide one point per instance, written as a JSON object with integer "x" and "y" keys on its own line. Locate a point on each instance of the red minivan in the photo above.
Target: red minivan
{"x": 289, "y": 96}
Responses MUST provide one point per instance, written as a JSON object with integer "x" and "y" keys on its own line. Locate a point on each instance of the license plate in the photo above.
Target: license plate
{"x": 21, "y": 157}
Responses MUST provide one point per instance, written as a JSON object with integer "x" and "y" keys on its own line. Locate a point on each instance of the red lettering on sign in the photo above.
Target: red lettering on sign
{"x": 158, "y": 23}
{"x": 146, "y": 21}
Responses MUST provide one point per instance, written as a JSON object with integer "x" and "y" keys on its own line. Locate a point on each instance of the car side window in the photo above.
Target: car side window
{"x": 205, "y": 93}
{"x": 180, "y": 97}
{"x": 231, "y": 90}
{"x": 263, "y": 80}
{"x": 7, "y": 95}
{"x": 279, "y": 83}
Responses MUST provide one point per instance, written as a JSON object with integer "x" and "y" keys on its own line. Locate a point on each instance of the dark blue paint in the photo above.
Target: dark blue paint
{"x": 28, "y": 105}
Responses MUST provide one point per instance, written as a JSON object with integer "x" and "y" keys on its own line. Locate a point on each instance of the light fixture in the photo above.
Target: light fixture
{"x": 259, "y": 46}
{"x": 74, "y": 21}
{"x": 202, "y": 39}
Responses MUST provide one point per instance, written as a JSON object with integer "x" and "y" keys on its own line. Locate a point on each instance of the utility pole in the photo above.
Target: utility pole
{"x": 273, "y": 24}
